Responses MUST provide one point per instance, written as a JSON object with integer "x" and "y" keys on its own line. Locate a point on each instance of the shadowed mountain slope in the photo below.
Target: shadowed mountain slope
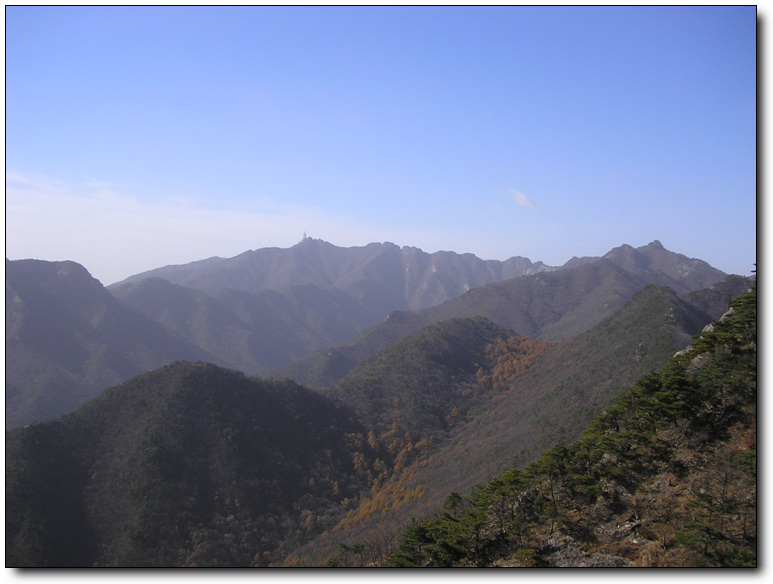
{"x": 190, "y": 464}
{"x": 553, "y": 399}
{"x": 547, "y": 306}
{"x": 667, "y": 477}
{"x": 67, "y": 339}
{"x": 280, "y": 305}
{"x": 250, "y": 331}
{"x": 715, "y": 299}
{"x": 418, "y": 381}
{"x": 194, "y": 464}
{"x": 268, "y": 308}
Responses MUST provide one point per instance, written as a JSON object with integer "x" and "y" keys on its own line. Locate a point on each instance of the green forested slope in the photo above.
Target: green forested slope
{"x": 519, "y": 412}
{"x": 418, "y": 382}
{"x": 666, "y": 477}
{"x": 546, "y": 306}
{"x": 189, "y": 464}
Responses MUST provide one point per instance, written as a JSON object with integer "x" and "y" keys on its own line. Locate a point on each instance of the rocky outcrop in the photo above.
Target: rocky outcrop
{"x": 561, "y": 551}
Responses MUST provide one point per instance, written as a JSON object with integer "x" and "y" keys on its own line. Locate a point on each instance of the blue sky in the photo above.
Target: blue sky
{"x": 140, "y": 137}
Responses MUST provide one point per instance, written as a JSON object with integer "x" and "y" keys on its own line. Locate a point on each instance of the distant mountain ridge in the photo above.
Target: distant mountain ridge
{"x": 278, "y": 305}
{"x": 382, "y": 276}
{"x": 67, "y": 337}
{"x": 283, "y": 304}
{"x": 548, "y": 306}
{"x": 420, "y": 279}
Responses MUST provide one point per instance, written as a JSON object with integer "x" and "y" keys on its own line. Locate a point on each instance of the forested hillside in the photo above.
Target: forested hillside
{"x": 665, "y": 477}
{"x": 197, "y": 465}
{"x": 547, "y": 306}
{"x": 423, "y": 381}
{"x": 187, "y": 465}
{"x": 193, "y": 464}
{"x": 525, "y": 402}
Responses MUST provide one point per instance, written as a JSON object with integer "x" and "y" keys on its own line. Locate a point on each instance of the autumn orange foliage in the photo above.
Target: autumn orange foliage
{"x": 507, "y": 358}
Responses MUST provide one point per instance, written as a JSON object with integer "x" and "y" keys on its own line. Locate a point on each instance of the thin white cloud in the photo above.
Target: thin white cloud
{"x": 35, "y": 183}
{"x": 115, "y": 235}
{"x": 523, "y": 200}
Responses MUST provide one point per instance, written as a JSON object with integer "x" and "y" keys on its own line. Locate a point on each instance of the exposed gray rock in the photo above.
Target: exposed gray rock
{"x": 565, "y": 554}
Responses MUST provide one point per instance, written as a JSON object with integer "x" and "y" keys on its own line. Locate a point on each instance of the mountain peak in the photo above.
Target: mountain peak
{"x": 310, "y": 240}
